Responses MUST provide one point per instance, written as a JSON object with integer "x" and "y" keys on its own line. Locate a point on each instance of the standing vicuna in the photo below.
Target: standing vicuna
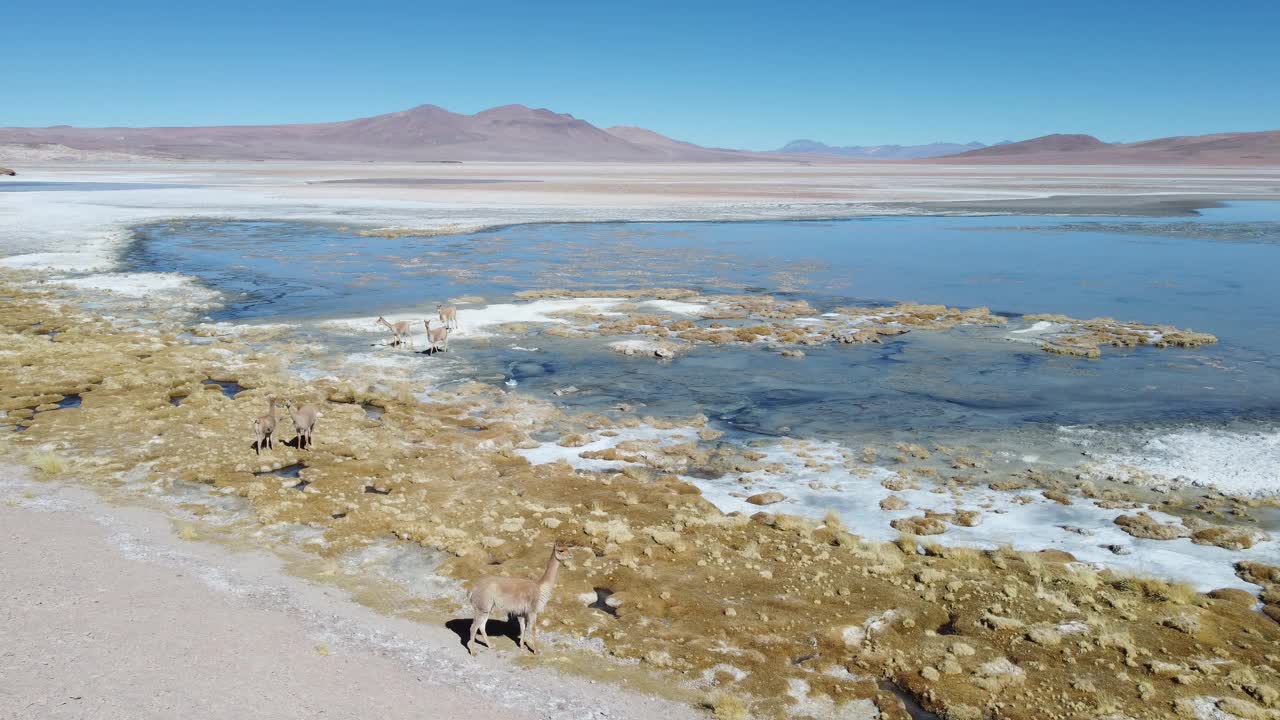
{"x": 264, "y": 427}
{"x": 304, "y": 422}
{"x": 448, "y": 315}
{"x": 400, "y": 331}
{"x": 514, "y": 596}
{"x": 436, "y": 336}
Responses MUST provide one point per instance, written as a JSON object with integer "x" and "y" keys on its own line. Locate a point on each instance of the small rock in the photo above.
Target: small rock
{"x": 893, "y": 502}
{"x": 767, "y": 498}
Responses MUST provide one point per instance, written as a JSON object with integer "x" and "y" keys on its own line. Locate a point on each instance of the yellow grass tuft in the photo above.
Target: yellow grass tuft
{"x": 48, "y": 463}
{"x": 187, "y": 531}
{"x": 833, "y": 521}
{"x": 907, "y": 543}
{"x": 724, "y": 706}
{"x": 1082, "y": 576}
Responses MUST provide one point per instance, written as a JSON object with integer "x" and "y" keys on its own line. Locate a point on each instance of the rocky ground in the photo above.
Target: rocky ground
{"x": 749, "y": 613}
{"x": 770, "y": 614}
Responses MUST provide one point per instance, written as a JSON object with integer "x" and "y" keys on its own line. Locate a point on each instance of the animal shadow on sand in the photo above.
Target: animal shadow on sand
{"x": 496, "y": 629}
{"x": 296, "y": 443}
{"x": 293, "y": 443}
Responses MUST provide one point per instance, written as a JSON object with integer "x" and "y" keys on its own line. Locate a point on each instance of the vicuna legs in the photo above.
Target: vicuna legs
{"x": 478, "y": 623}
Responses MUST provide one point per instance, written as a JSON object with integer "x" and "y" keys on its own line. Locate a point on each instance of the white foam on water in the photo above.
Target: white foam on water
{"x": 472, "y": 322}
{"x": 1237, "y": 462}
{"x": 1039, "y": 327}
{"x": 675, "y": 307}
{"x": 139, "y": 285}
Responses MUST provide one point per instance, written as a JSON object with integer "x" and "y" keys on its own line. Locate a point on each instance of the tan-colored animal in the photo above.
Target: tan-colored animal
{"x": 437, "y": 337}
{"x": 400, "y": 331}
{"x": 7, "y": 171}
{"x": 514, "y": 596}
{"x": 304, "y": 422}
{"x": 448, "y": 315}
{"x": 264, "y": 427}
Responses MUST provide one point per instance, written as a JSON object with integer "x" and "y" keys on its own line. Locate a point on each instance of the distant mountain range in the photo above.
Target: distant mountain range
{"x": 1252, "y": 148}
{"x": 519, "y": 133}
{"x": 877, "y": 152}
{"x": 427, "y": 132}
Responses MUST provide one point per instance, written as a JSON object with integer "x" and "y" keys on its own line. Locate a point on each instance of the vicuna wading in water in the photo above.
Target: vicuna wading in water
{"x": 448, "y": 315}
{"x": 436, "y": 337}
{"x": 400, "y": 331}
{"x": 514, "y": 596}
{"x": 264, "y": 427}
{"x": 304, "y": 422}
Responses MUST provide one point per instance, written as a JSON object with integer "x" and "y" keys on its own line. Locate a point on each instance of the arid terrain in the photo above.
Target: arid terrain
{"x": 338, "y": 570}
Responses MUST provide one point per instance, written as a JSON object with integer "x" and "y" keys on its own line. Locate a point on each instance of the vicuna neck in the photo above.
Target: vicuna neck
{"x": 549, "y": 576}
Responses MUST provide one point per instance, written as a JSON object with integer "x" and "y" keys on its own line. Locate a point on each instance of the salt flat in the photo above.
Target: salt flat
{"x": 80, "y": 228}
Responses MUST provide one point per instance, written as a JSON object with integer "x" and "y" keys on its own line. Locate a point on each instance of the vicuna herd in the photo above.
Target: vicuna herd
{"x": 304, "y": 422}
{"x": 490, "y": 596}
{"x": 437, "y": 337}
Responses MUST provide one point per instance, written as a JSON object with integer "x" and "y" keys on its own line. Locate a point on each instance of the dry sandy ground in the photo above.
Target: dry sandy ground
{"x": 107, "y": 614}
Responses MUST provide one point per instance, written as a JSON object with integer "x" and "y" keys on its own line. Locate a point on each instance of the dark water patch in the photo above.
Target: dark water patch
{"x": 69, "y": 401}
{"x": 302, "y": 485}
{"x": 526, "y": 369}
{"x": 601, "y": 602}
{"x": 338, "y": 515}
{"x": 909, "y": 702}
{"x": 229, "y": 388}
{"x": 371, "y": 490}
{"x": 176, "y": 400}
{"x": 372, "y": 412}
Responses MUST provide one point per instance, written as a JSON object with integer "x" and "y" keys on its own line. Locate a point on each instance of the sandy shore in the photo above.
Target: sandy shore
{"x": 109, "y": 614}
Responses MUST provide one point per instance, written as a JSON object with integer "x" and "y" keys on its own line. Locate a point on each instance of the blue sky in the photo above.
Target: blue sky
{"x": 732, "y": 74}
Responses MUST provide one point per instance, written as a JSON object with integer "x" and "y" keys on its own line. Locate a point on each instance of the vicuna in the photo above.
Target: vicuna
{"x": 304, "y": 422}
{"x": 514, "y": 596}
{"x": 436, "y": 337}
{"x": 400, "y": 331}
{"x": 264, "y": 427}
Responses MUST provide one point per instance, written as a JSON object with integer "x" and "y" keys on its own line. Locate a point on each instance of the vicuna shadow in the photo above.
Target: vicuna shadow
{"x": 295, "y": 443}
{"x": 496, "y": 629}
